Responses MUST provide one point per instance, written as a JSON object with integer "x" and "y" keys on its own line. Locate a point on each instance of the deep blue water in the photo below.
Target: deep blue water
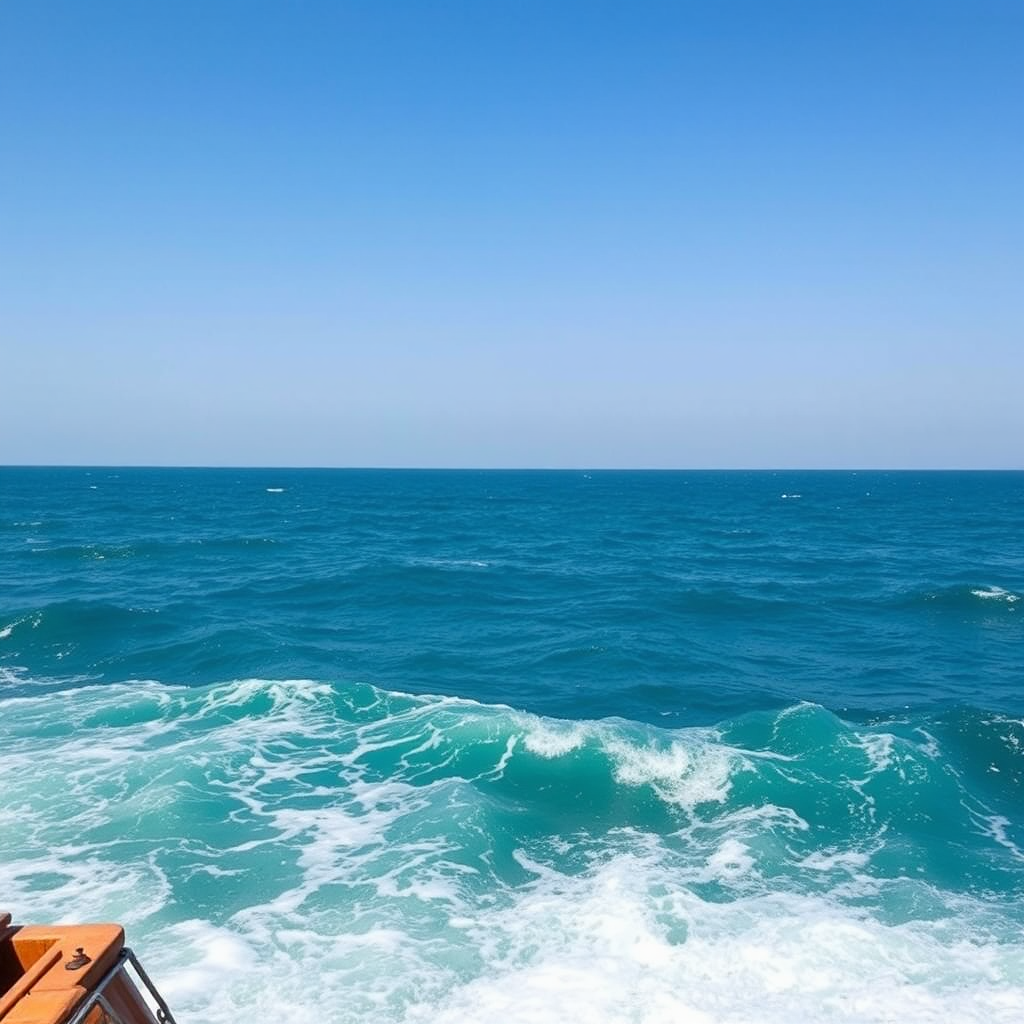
{"x": 551, "y": 745}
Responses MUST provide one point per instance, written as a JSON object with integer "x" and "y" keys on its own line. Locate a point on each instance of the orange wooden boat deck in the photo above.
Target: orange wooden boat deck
{"x": 73, "y": 974}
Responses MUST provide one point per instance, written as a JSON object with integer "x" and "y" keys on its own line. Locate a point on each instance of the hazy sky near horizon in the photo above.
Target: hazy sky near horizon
{"x": 497, "y": 233}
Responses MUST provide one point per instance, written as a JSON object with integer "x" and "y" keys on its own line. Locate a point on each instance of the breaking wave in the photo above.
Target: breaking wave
{"x": 304, "y": 850}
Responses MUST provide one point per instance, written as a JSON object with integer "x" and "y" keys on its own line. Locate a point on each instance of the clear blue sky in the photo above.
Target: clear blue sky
{"x": 512, "y": 233}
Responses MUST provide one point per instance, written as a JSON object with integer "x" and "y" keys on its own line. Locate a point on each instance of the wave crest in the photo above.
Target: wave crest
{"x": 425, "y": 856}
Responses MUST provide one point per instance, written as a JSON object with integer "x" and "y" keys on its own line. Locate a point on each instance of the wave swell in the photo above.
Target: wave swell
{"x": 435, "y": 858}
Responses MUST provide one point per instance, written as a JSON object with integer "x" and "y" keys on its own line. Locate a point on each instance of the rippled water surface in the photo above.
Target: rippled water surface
{"x": 412, "y": 746}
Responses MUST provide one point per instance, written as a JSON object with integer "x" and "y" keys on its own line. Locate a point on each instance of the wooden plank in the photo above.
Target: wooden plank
{"x": 24, "y": 984}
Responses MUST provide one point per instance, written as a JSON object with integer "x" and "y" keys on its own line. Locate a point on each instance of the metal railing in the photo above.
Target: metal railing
{"x": 97, "y": 996}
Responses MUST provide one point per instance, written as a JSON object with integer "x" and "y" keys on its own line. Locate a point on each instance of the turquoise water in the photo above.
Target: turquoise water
{"x": 411, "y": 746}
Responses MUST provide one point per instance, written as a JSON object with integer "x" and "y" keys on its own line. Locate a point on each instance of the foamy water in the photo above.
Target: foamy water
{"x": 310, "y": 851}
{"x": 539, "y": 747}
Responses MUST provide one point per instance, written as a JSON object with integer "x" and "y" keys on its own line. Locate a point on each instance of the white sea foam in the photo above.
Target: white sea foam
{"x": 930, "y": 746}
{"x": 619, "y": 943}
{"x": 995, "y": 826}
{"x": 552, "y": 739}
{"x": 680, "y": 774}
{"x": 996, "y": 594}
{"x": 879, "y": 748}
{"x": 732, "y": 860}
{"x": 685, "y": 774}
{"x": 80, "y": 883}
{"x": 846, "y": 860}
{"x": 352, "y": 895}
{"x": 761, "y": 817}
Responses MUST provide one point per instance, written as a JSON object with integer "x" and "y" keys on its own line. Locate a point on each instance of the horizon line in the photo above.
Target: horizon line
{"x": 512, "y": 469}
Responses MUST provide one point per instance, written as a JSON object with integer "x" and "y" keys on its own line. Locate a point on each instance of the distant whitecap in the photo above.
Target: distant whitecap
{"x": 996, "y": 594}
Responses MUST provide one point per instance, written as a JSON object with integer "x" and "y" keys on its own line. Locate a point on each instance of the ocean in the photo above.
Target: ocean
{"x": 417, "y": 746}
